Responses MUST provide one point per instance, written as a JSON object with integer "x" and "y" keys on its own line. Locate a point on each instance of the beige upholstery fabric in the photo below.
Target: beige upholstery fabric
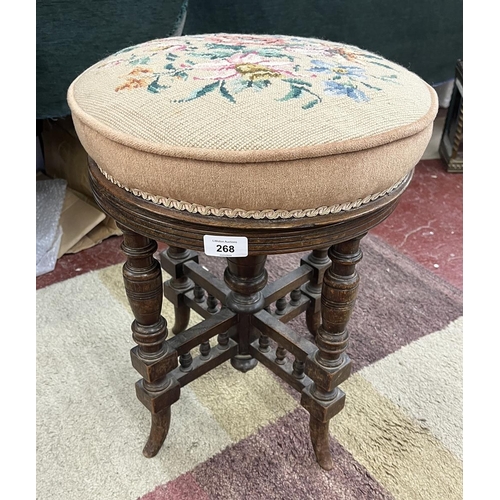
{"x": 252, "y": 122}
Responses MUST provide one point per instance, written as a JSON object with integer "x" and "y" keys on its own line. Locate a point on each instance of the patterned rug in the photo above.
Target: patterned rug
{"x": 245, "y": 436}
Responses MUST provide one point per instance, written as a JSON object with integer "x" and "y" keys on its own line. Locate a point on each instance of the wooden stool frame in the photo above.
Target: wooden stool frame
{"x": 239, "y": 310}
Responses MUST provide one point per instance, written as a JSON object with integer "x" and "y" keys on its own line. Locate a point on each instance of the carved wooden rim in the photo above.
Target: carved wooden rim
{"x": 268, "y": 236}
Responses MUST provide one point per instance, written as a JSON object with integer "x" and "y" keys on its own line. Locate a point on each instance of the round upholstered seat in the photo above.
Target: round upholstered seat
{"x": 242, "y": 147}
{"x": 253, "y": 126}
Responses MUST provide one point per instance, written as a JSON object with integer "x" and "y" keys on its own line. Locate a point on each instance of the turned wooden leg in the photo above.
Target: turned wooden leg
{"x": 172, "y": 261}
{"x": 329, "y": 366}
{"x": 246, "y": 277}
{"x": 318, "y": 259}
{"x": 152, "y": 357}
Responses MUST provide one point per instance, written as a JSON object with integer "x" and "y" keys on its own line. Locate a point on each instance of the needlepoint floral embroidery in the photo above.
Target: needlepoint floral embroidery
{"x": 295, "y": 69}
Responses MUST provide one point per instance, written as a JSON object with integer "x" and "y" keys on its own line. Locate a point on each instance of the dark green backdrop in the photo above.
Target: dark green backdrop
{"x": 425, "y": 36}
{"x": 71, "y": 35}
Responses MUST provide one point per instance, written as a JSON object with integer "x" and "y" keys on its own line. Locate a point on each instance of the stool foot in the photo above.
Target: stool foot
{"x": 160, "y": 425}
{"x": 329, "y": 366}
{"x": 320, "y": 438}
{"x": 243, "y": 362}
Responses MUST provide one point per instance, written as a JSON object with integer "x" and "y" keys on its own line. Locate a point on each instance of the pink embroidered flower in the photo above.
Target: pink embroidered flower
{"x": 310, "y": 49}
{"x": 248, "y": 65}
{"x": 229, "y": 39}
{"x": 113, "y": 62}
{"x": 166, "y": 47}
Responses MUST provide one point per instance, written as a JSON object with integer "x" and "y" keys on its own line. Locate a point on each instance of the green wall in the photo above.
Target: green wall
{"x": 424, "y": 36}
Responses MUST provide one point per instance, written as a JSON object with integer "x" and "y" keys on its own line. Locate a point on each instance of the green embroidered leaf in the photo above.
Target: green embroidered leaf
{"x": 219, "y": 54}
{"x": 298, "y": 91}
{"x": 200, "y": 93}
{"x": 370, "y": 86}
{"x": 297, "y": 81}
{"x": 238, "y": 86}
{"x": 293, "y": 94}
{"x": 171, "y": 56}
{"x": 128, "y": 49}
{"x": 221, "y": 46}
{"x": 273, "y": 53}
{"x": 315, "y": 101}
{"x": 310, "y": 104}
{"x": 155, "y": 87}
{"x": 372, "y": 56}
{"x": 389, "y": 78}
{"x": 261, "y": 84}
{"x": 139, "y": 60}
{"x": 225, "y": 92}
{"x": 170, "y": 67}
{"x": 383, "y": 65}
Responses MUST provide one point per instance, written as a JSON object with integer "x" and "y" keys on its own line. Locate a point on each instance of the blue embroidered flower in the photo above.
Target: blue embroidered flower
{"x": 338, "y": 71}
{"x": 333, "y": 87}
{"x": 342, "y": 79}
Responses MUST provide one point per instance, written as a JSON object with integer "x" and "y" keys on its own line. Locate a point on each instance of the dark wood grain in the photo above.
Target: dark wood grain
{"x": 143, "y": 285}
{"x": 243, "y": 313}
{"x": 265, "y": 237}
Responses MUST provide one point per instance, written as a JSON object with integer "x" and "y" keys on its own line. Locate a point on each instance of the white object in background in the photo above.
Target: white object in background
{"x": 49, "y": 202}
{"x": 444, "y": 91}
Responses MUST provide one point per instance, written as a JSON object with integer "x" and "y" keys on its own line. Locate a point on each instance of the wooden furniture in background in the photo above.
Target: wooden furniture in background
{"x": 452, "y": 140}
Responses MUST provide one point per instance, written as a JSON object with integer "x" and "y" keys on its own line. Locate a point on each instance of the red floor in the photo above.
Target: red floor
{"x": 426, "y": 226}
